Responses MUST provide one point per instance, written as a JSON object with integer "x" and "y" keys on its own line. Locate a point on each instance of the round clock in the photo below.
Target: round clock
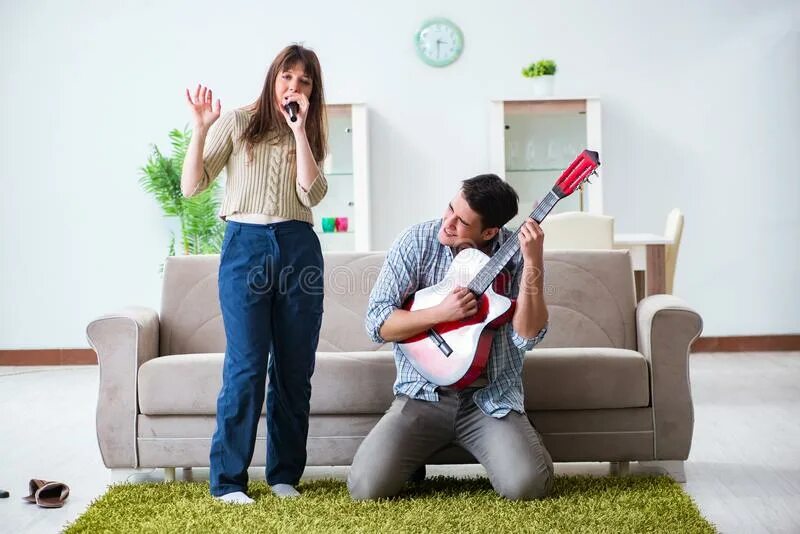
{"x": 439, "y": 42}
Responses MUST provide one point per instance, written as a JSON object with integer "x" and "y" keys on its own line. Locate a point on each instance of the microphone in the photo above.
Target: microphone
{"x": 292, "y": 108}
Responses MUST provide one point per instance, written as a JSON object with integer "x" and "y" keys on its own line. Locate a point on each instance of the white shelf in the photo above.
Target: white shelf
{"x": 546, "y": 98}
{"x": 527, "y": 136}
{"x": 348, "y": 184}
{"x": 554, "y": 169}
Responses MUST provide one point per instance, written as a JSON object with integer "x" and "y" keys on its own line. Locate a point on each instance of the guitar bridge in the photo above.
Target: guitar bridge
{"x": 439, "y": 341}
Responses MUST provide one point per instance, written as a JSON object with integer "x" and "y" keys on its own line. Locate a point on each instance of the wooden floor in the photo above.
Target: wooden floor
{"x": 744, "y": 468}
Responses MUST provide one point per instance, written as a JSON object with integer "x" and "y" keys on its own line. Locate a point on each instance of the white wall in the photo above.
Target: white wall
{"x": 701, "y": 111}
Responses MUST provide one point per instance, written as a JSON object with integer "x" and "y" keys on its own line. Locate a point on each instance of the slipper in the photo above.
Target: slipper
{"x": 47, "y": 494}
{"x": 34, "y": 485}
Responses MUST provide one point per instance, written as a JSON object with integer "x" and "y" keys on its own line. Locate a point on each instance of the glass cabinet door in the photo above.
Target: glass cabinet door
{"x": 541, "y": 139}
{"x": 334, "y": 216}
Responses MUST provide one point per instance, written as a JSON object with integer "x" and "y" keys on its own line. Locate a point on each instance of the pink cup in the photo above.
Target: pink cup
{"x": 341, "y": 224}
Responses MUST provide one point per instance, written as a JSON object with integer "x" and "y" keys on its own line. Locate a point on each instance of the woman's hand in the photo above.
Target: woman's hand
{"x": 203, "y": 112}
{"x": 302, "y": 100}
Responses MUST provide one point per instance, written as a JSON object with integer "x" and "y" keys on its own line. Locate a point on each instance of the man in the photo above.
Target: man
{"x": 488, "y": 417}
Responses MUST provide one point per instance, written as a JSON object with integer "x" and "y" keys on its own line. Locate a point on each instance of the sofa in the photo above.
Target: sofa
{"x": 609, "y": 382}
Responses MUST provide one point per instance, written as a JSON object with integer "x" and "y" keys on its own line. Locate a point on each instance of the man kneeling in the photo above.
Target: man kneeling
{"x": 487, "y": 418}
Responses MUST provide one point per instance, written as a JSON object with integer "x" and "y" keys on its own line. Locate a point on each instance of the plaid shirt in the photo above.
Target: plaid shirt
{"x": 418, "y": 260}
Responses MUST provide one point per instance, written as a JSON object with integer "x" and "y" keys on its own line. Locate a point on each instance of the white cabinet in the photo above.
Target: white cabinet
{"x": 347, "y": 172}
{"x": 533, "y": 141}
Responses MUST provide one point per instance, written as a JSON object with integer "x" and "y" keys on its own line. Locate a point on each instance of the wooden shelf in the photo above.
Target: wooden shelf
{"x": 539, "y": 170}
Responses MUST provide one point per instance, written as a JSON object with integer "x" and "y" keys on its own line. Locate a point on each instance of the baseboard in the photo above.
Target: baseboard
{"x": 768, "y": 343}
{"x": 48, "y": 357}
{"x": 703, "y": 344}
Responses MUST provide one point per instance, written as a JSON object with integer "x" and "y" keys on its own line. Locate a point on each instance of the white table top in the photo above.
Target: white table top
{"x": 640, "y": 239}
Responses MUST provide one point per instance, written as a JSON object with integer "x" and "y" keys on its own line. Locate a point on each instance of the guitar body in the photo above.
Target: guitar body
{"x": 455, "y": 353}
{"x": 470, "y": 339}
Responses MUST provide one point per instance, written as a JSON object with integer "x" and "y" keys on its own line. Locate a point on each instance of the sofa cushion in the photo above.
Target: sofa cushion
{"x": 585, "y": 379}
{"x": 589, "y": 294}
{"x": 351, "y": 383}
{"x": 191, "y": 320}
{"x": 361, "y": 382}
{"x": 590, "y": 299}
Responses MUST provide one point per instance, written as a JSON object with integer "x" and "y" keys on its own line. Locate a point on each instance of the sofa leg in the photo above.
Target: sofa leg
{"x": 124, "y": 475}
{"x": 188, "y": 474}
{"x": 169, "y": 474}
{"x": 619, "y": 469}
{"x": 672, "y": 468}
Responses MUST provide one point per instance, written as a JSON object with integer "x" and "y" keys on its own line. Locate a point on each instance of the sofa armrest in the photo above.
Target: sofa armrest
{"x": 666, "y": 327}
{"x": 123, "y": 341}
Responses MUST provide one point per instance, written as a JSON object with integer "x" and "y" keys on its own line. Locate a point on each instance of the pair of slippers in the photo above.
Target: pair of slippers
{"x": 47, "y": 494}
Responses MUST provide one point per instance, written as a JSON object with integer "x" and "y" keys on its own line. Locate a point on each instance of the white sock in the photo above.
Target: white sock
{"x": 284, "y": 491}
{"x": 237, "y": 497}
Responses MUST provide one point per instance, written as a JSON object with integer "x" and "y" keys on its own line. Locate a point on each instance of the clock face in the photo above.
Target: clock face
{"x": 439, "y": 42}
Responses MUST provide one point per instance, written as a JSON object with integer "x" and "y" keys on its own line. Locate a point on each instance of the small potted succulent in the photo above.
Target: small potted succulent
{"x": 543, "y": 74}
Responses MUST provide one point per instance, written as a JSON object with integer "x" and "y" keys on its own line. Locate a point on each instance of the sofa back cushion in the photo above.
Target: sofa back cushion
{"x": 190, "y": 318}
{"x": 590, "y": 296}
{"x": 191, "y": 321}
{"x": 349, "y": 277}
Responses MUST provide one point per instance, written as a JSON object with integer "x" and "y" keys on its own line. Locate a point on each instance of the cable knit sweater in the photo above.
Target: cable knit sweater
{"x": 268, "y": 183}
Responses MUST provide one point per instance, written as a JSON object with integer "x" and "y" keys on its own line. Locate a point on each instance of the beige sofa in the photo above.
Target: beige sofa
{"x": 609, "y": 383}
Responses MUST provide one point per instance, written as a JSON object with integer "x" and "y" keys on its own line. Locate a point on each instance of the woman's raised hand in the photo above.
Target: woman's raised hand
{"x": 201, "y": 105}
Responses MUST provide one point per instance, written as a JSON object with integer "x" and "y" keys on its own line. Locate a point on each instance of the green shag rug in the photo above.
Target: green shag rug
{"x": 439, "y": 504}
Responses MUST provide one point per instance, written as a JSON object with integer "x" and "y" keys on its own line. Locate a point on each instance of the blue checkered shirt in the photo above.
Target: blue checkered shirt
{"x": 417, "y": 260}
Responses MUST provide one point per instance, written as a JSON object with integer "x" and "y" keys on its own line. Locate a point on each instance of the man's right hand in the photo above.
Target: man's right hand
{"x": 459, "y": 304}
{"x": 201, "y": 106}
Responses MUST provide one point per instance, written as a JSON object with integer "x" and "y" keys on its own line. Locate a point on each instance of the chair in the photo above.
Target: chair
{"x": 578, "y": 230}
{"x": 673, "y": 232}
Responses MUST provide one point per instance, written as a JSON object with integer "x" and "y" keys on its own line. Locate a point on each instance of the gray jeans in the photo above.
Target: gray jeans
{"x": 510, "y": 449}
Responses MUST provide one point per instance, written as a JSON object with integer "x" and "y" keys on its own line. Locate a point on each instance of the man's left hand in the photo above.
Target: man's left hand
{"x": 531, "y": 242}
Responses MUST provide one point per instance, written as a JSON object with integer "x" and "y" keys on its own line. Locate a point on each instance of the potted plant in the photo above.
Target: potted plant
{"x": 543, "y": 74}
{"x": 195, "y": 218}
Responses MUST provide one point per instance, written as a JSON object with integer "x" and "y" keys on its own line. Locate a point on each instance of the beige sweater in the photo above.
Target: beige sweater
{"x": 268, "y": 183}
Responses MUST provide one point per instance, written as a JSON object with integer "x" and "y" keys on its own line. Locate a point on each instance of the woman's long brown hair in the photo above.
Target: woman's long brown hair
{"x": 267, "y": 123}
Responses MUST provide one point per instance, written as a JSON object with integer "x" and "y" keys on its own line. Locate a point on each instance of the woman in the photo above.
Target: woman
{"x": 270, "y": 273}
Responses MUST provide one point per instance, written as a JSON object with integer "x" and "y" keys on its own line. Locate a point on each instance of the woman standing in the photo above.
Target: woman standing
{"x": 271, "y": 270}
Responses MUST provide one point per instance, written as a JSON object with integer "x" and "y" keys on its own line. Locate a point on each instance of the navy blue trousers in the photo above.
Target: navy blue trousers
{"x": 270, "y": 293}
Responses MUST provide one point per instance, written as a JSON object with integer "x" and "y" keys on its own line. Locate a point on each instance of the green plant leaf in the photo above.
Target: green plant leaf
{"x": 542, "y": 67}
{"x": 201, "y": 228}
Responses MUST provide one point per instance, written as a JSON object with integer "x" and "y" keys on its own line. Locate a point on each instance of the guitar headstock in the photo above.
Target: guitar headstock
{"x": 577, "y": 172}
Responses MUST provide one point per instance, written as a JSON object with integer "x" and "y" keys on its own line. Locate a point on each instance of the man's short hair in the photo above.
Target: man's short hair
{"x": 492, "y": 198}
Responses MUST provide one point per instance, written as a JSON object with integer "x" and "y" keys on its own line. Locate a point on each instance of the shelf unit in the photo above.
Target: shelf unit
{"x": 532, "y": 141}
{"x": 347, "y": 171}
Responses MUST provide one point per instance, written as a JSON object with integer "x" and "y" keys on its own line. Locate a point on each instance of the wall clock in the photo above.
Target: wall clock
{"x": 439, "y": 42}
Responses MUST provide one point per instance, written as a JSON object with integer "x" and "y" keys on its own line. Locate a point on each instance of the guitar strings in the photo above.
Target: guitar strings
{"x": 507, "y": 250}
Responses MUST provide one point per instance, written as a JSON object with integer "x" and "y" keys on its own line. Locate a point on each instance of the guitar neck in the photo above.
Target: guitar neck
{"x": 481, "y": 282}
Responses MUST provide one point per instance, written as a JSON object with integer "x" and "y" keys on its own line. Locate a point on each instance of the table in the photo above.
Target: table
{"x": 648, "y": 256}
